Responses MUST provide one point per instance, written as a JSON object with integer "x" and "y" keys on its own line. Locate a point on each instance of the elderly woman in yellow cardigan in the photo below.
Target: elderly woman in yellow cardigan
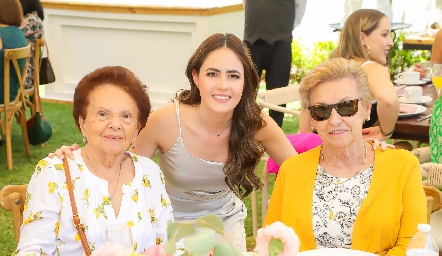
{"x": 344, "y": 194}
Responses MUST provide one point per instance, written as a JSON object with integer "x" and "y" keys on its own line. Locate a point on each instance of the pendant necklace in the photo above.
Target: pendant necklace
{"x": 338, "y": 181}
{"x": 95, "y": 170}
{"x": 216, "y": 133}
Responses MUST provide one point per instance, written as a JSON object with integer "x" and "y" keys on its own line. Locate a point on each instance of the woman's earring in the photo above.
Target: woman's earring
{"x": 367, "y": 118}
{"x": 84, "y": 140}
{"x": 133, "y": 145}
{"x": 369, "y": 50}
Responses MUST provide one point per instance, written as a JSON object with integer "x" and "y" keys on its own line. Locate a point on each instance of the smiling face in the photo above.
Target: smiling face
{"x": 111, "y": 122}
{"x": 337, "y": 130}
{"x": 220, "y": 80}
{"x": 379, "y": 41}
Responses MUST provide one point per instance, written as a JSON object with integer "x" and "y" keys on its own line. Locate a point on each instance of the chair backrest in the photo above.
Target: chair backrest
{"x": 40, "y": 45}
{"x": 434, "y": 200}
{"x": 12, "y": 198}
{"x": 12, "y": 56}
{"x": 272, "y": 98}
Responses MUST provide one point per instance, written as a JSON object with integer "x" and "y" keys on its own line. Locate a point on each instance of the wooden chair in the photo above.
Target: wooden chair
{"x": 15, "y": 107}
{"x": 432, "y": 186}
{"x": 12, "y": 198}
{"x": 271, "y": 99}
{"x": 32, "y": 96}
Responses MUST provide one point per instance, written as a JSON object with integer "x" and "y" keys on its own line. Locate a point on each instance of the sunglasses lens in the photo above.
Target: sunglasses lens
{"x": 320, "y": 112}
{"x": 347, "y": 108}
{"x": 344, "y": 108}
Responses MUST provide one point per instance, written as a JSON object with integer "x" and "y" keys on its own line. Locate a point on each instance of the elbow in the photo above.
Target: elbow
{"x": 389, "y": 103}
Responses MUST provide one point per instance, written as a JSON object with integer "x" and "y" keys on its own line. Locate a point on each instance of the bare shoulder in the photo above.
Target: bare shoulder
{"x": 162, "y": 114}
{"x": 374, "y": 67}
{"x": 269, "y": 128}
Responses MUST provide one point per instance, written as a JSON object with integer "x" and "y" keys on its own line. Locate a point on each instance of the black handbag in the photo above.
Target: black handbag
{"x": 47, "y": 75}
{"x": 39, "y": 129}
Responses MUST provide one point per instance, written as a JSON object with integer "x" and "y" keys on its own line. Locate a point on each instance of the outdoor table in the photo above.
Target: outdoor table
{"x": 394, "y": 26}
{"x": 417, "y": 42}
{"x": 410, "y": 128}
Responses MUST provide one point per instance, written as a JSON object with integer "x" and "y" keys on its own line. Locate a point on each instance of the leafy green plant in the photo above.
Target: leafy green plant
{"x": 399, "y": 59}
{"x": 305, "y": 59}
{"x": 199, "y": 237}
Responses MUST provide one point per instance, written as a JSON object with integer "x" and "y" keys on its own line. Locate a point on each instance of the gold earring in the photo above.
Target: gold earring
{"x": 84, "y": 140}
{"x": 367, "y": 118}
{"x": 369, "y": 50}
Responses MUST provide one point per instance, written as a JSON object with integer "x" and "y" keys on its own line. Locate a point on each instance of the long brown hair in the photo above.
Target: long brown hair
{"x": 350, "y": 44}
{"x": 244, "y": 151}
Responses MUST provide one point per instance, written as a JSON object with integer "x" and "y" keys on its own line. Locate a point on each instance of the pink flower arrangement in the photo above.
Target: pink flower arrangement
{"x": 277, "y": 240}
{"x": 156, "y": 250}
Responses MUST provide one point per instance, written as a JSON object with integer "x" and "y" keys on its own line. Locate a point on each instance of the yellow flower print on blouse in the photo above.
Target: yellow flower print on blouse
{"x": 135, "y": 158}
{"x": 159, "y": 240}
{"x": 32, "y": 217}
{"x": 164, "y": 202}
{"x": 85, "y": 198}
{"x": 162, "y": 178}
{"x": 42, "y": 164}
{"x": 77, "y": 237}
{"x": 130, "y": 223}
{"x": 73, "y": 183}
{"x": 59, "y": 167}
{"x": 140, "y": 216}
{"x": 57, "y": 226}
{"x": 52, "y": 186}
{"x": 135, "y": 246}
{"x": 146, "y": 181}
{"x": 100, "y": 208}
{"x": 135, "y": 196}
{"x": 27, "y": 198}
{"x": 152, "y": 216}
{"x": 80, "y": 167}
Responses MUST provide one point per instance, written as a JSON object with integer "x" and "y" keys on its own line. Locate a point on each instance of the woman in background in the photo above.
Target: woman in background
{"x": 344, "y": 194}
{"x": 32, "y": 28}
{"x": 366, "y": 38}
{"x": 11, "y": 37}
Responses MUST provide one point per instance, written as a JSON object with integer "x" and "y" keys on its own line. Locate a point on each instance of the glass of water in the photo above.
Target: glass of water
{"x": 119, "y": 234}
{"x": 427, "y": 67}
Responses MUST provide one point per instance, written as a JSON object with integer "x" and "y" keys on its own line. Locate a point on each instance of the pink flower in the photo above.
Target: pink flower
{"x": 155, "y": 250}
{"x": 111, "y": 250}
{"x": 280, "y": 231}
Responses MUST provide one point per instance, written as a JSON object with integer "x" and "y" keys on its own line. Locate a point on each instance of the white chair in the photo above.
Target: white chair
{"x": 271, "y": 99}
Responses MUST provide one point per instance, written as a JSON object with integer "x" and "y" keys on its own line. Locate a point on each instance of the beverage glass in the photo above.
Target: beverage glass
{"x": 436, "y": 77}
{"x": 427, "y": 67}
{"x": 120, "y": 234}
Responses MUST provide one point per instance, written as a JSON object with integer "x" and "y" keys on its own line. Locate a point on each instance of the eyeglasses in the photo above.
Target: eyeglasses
{"x": 344, "y": 108}
{"x": 104, "y": 115}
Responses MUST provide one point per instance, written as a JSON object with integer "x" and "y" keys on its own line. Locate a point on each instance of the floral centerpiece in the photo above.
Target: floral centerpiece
{"x": 199, "y": 238}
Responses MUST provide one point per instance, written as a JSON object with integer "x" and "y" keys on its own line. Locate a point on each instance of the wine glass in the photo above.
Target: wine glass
{"x": 436, "y": 77}
{"x": 119, "y": 234}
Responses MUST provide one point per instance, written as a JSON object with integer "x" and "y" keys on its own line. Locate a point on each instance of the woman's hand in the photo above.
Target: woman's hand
{"x": 417, "y": 68}
{"x": 373, "y": 133}
{"x": 64, "y": 150}
{"x": 376, "y": 143}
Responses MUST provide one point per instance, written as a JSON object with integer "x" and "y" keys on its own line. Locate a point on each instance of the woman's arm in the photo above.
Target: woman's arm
{"x": 305, "y": 125}
{"x": 436, "y": 50}
{"x": 274, "y": 141}
{"x": 41, "y": 211}
{"x": 383, "y": 91}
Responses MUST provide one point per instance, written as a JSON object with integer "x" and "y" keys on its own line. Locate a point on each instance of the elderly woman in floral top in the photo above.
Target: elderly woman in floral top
{"x": 32, "y": 28}
{"x": 111, "y": 185}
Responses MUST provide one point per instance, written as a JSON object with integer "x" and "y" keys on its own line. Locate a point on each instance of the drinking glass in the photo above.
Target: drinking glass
{"x": 427, "y": 67}
{"x": 436, "y": 77}
{"x": 120, "y": 234}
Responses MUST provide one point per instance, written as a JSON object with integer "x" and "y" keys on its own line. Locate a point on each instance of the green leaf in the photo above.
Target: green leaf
{"x": 178, "y": 230}
{"x": 224, "y": 248}
{"x": 170, "y": 247}
{"x": 275, "y": 246}
{"x": 211, "y": 221}
{"x": 201, "y": 242}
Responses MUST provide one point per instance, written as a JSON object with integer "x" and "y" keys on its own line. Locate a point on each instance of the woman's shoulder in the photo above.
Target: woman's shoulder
{"x": 397, "y": 156}
{"x": 147, "y": 164}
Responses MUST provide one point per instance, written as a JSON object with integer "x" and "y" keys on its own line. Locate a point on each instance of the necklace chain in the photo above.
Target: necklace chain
{"x": 95, "y": 170}
{"x": 338, "y": 180}
{"x": 216, "y": 133}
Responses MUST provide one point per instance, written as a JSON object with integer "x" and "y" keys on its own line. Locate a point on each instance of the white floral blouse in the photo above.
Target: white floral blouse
{"x": 47, "y": 218}
{"x": 336, "y": 203}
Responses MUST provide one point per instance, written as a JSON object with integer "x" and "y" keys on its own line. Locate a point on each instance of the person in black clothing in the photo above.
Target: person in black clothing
{"x": 268, "y": 34}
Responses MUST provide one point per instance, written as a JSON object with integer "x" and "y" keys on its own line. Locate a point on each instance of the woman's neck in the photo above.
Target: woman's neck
{"x": 211, "y": 120}
{"x": 346, "y": 157}
{"x": 102, "y": 160}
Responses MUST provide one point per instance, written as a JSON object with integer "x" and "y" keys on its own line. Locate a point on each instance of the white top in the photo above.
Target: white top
{"x": 48, "y": 227}
{"x": 336, "y": 203}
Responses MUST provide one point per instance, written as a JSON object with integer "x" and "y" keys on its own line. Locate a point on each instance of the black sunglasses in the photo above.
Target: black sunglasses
{"x": 344, "y": 108}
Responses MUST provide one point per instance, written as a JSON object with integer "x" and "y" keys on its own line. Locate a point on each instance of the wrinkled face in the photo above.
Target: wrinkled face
{"x": 379, "y": 41}
{"x": 337, "y": 130}
{"x": 220, "y": 80}
{"x": 111, "y": 122}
